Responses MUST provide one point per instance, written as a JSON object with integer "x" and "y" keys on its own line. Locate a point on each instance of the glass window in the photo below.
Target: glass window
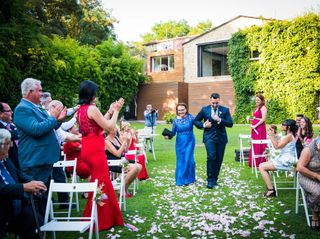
{"x": 162, "y": 63}
{"x": 213, "y": 59}
{"x": 255, "y": 55}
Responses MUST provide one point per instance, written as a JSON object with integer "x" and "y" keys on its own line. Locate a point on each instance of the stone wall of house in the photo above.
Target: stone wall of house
{"x": 218, "y": 34}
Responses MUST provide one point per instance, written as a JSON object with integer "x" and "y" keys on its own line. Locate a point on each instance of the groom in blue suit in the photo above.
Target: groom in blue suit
{"x": 214, "y": 119}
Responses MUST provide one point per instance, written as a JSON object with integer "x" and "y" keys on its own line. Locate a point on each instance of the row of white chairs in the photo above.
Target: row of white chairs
{"x": 54, "y": 222}
{"x": 145, "y": 135}
{"x": 291, "y": 183}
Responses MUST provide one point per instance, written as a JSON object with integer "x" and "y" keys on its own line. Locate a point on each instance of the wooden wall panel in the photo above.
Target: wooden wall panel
{"x": 165, "y": 96}
{"x": 199, "y": 95}
{"x": 183, "y": 92}
{"x": 162, "y": 96}
{"x": 167, "y": 76}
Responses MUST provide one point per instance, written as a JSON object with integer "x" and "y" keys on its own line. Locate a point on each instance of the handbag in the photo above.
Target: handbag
{"x": 167, "y": 133}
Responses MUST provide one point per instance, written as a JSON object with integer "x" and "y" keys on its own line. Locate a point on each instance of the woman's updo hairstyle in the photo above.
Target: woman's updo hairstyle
{"x": 291, "y": 124}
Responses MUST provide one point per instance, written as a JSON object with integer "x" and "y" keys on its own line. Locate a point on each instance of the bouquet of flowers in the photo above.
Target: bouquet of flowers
{"x": 124, "y": 163}
{"x": 100, "y": 195}
{"x": 271, "y": 152}
{"x": 267, "y": 152}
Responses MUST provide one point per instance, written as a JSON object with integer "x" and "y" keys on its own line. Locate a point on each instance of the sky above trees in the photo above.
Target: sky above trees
{"x": 137, "y": 17}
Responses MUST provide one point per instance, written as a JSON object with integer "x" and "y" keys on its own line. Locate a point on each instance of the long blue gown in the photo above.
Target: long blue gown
{"x": 185, "y": 143}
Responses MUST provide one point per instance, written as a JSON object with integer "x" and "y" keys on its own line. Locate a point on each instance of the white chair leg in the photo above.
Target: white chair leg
{"x": 275, "y": 183}
{"x": 305, "y": 207}
{"x": 297, "y": 198}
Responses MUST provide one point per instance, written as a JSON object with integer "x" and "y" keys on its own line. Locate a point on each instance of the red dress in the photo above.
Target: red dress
{"x": 262, "y": 134}
{"x": 141, "y": 160}
{"x": 93, "y": 154}
{"x": 71, "y": 149}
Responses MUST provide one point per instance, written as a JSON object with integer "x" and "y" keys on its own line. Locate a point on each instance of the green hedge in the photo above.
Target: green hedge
{"x": 288, "y": 70}
{"x": 61, "y": 64}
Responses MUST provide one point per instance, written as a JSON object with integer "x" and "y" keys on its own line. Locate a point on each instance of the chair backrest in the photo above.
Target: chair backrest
{"x": 114, "y": 162}
{"x": 142, "y": 133}
{"x": 244, "y": 136}
{"x": 260, "y": 141}
{"x": 68, "y": 163}
{"x": 131, "y": 155}
{"x": 73, "y": 188}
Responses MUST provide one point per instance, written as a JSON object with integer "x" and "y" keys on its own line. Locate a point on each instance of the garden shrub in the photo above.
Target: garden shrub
{"x": 287, "y": 71}
{"x": 168, "y": 117}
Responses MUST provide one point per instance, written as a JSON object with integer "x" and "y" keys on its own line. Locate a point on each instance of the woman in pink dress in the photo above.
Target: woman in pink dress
{"x": 92, "y": 124}
{"x": 258, "y": 129}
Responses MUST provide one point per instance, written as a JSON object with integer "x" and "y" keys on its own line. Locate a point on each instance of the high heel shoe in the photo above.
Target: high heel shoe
{"x": 270, "y": 193}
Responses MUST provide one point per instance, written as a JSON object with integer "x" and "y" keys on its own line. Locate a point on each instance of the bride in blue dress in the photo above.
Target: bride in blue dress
{"x": 185, "y": 143}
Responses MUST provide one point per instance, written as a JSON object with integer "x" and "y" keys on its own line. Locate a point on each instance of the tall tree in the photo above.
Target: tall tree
{"x": 172, "y": 29}
{"x": 201, "y": 27}
{"x": 96, "y": 24}
{"x": 19, "y": 31}
{"x": 167, "y": 30}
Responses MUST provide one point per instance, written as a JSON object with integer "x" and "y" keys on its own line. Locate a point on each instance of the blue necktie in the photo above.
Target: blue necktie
{"x": 9, "y": 180}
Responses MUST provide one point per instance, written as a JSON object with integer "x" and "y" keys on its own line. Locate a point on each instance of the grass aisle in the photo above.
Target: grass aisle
{"x": 235, "y": 209}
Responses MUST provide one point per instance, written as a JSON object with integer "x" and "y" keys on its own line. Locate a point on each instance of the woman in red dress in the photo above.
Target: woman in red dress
{"x": 258, "y": 129}
{"x": 92, "y": 124}
{"x": 72, "y": 151}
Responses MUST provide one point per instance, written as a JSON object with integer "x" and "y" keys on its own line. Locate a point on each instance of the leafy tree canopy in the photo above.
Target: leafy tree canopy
{"x": 28, "y": 48}
{"x": 172, "y": 29}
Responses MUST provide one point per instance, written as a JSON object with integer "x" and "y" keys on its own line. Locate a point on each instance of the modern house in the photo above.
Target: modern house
{"x": 189, "y": 69}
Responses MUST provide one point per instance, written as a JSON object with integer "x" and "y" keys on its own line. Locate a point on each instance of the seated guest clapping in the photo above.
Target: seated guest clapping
{"x": 126, "y": 133}
{"x": 304, "y": 134}
{"x": 131, "y": 137}
{"x": 115, "y": 149}
{"x": 287, "y": 157}
{"x": 309, "y": 178}
{"x": 16, "y": 214}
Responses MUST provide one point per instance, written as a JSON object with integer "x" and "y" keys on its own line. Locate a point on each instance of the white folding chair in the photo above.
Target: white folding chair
{"x": 146, "y": 134}
{"x": 254, "y": 154}
{"x": 304, "y": 202}
{"x": 64, "y": 164}
{"x": 53, "y": 223}
{"x": 242, "y": 148}
{"x": 136, "y": 181}
{"x": 118, "y": 186}
{"x": 289, "y": 184}
{"x": 142, "y": 149}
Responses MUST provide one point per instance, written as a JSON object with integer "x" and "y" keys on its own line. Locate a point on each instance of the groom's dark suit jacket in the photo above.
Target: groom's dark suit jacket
{"x": 218, "y": 130}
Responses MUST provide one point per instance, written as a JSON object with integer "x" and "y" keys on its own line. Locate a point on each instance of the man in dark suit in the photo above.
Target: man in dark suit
{"x": 6, "y": 123}
{"x": 16, "y": 214}
{"x": 214, "y": 119}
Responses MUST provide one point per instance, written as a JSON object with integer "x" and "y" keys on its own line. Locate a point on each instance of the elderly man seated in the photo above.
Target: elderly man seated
{"x": 16, "y": 214}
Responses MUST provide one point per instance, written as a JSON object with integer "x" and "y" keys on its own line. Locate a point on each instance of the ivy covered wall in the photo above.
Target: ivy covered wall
{"x": 287, "y": 71}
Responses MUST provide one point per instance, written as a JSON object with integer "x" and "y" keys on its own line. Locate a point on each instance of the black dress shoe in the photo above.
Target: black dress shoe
{"x": 210, "y": 185}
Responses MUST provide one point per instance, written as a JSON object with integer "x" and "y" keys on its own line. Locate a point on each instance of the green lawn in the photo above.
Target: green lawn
{"x": 235, "y": 209}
